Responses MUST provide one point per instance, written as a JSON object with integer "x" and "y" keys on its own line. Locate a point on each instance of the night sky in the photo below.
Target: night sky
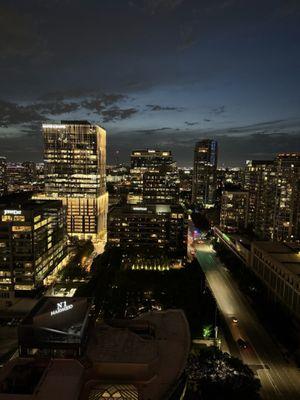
{"x": 153, "y": 73}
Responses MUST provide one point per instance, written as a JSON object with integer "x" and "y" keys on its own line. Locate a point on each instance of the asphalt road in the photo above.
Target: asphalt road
{"x": 279, "y": 378}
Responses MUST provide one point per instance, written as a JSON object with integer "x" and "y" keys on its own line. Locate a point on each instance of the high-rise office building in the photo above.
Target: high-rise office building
{"x": 75, "y": 162}
{"x": 274, "y": 197}
{"x": 205, "y": 171}
{"x": 260, "y": 182}
{"x": 3, "y": 183}
{"x": 149, "y": 231}
{"x": 287, "y": 208}
{"x": 185, "y": 185}
{"x": 234, "y": 210}
{"x": 161, "y": 185}
{"x": 23, "y": 177}
{"x": 154, "y": 177}
{"x": 33, "y": 241}
{"x": 118, "y": 183}
{"x": 230, "y": 177}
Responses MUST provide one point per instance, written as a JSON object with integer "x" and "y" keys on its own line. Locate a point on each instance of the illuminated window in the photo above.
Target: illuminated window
{"x": 19, "y": 218}
{"x": 6, "y": 218}
{"x": 113, "y": 392}
{"x": 23, "y": 228}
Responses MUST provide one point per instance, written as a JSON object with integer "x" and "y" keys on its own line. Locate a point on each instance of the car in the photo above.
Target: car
{"x": 242, "y": 343}
{"x": 234, "y": 320}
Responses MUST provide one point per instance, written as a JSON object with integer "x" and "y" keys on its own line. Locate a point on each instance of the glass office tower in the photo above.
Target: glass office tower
{"x": 3, "y": 183}
{"x": 33, "y": 242}
{"x": 274, "y": 197}
{"x": 75, "y": 162}
{"x": 205, "y": 172}
{"x": 154, "y": 177}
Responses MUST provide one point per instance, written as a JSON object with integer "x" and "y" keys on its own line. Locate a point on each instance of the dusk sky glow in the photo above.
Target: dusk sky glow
{"x": 153, "y": 73}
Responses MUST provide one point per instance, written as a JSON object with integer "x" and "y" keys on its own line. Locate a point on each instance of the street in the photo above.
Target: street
{"x": 279, "y": 378}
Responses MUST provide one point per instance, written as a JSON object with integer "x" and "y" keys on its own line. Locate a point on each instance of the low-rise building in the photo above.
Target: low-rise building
{"x": 278, "y": 266}
{"x": 41, "y": 379}
{"x": 56, "y": 327}
{"x": 143, "y": 358}
{"x": 240, "y": 245}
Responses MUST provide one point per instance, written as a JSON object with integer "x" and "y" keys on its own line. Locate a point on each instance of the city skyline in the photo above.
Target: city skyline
{"x": 166, "y": 74}
{"x": 150, "y": 199}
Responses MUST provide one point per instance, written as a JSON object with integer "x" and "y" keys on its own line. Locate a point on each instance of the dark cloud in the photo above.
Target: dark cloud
{"x": 12, "y": 114}
{"x": 101, "y": 102}
{"x": 116, "y": 113}
{"x": 247, "y": 143}
{"x": 156, "y": 107}
{"x": 61, "y": 95}
{"x": 60, "y": 56}
{"x": 55, "y": 108}
{"x": 191, "y": 123}
{"x": 235, "y": 150}
{"x": 218, "y": 110}
{"x": 104, "y": 105}
{"x": 155, "y": 131}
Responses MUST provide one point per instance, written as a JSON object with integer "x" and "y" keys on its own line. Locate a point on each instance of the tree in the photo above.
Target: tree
{"x": 214, "y": 375}
{"x": 207, "y": 331}
{"x": 73, "y": 272}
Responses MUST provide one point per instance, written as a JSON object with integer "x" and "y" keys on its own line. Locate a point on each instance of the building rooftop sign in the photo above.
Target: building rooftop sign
{"x": 61, "y": 307}
{"x": 139, "y": 208}
{"x": 12, "y": 212}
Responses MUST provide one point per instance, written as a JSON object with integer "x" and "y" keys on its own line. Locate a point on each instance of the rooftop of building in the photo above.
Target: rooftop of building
{"x": 146, "y": 209}
{"x": 259, "y": 162}
{"x": 288, "y": 154}
{"x": 62, "y": 123}
{"x": 152, "y": 348}
{"x": 75, "y": 122}
{"x": 243, "y": 239}
{"x": 24, "y": 201}
{"x": 128, "y": 359}
{"x": 32, "y": 379}
{"x": 287, "y": 254}
{"x": 151, "y": 152}
{"x": 57, "y": 317}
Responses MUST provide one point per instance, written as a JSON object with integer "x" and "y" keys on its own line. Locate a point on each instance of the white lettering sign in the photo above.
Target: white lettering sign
{"x": 139, "y": 208}
{"x": 12, "y": 212}
{"x": 54, "y": 126}
{"x": 61, "y": 307}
